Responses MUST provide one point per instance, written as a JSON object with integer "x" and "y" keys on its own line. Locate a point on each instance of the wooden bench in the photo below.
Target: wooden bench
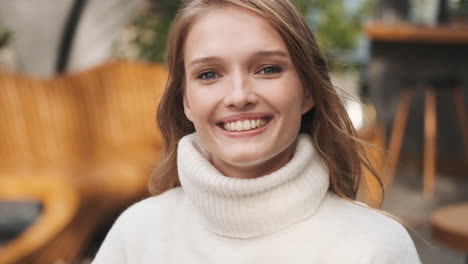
{"x": 82, "y": 144}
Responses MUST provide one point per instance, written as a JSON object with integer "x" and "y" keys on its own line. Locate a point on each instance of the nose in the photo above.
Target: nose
{"x": 240, "y": 94}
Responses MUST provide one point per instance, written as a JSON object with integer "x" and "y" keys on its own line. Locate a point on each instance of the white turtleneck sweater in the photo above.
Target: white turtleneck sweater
{"x": 287, "y": 216}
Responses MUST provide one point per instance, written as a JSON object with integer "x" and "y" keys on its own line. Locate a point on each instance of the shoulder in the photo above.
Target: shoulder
{"x": 164, "y": 200}
{"x": 137, "y": 227}
{"x": 153, "y": 206}
{"x": 148, "y": 212}
{"x": 376, "y": 234}
{"x": 358, "y": 213}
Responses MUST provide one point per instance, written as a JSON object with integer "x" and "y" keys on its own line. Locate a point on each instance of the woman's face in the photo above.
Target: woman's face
{"x": 242, "y": 92}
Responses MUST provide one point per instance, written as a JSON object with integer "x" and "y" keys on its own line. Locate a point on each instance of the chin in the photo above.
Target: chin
{"x": 248, "y": 159}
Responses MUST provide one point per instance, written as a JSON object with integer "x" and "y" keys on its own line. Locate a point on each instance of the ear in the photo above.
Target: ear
{"x": 307, "y": 103}
{"x": 187, "y": 111}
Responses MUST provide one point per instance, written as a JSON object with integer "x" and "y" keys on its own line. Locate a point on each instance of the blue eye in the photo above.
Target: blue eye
{"x": 207, "y": 76}
{"x": 271, "y": 70}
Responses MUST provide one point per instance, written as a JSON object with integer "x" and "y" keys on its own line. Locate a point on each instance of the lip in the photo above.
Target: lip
{"x": 242, "y": 117}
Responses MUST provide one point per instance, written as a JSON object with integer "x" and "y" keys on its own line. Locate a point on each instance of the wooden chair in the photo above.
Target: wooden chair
{"x": 434, "y": 87}
{"x": 84, "y": 145}
{"x": 60, "y": 205}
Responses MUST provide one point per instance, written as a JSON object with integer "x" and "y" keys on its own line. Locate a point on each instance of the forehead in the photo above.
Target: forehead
{"x": 230, "y": 30}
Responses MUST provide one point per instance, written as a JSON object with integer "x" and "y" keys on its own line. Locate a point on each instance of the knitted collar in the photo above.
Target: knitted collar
{"x": 245, "y": 208}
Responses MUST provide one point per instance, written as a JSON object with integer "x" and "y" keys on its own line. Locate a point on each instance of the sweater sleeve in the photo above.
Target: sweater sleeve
{"x": 113, "y": 248}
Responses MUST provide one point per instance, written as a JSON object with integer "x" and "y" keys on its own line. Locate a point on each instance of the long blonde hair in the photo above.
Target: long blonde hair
{"x": 328, "y": 123}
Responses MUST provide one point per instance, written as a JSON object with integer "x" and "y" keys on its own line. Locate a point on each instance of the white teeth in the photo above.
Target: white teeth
{"x": 244, "y": 125}
{"x": 239, "y": 126}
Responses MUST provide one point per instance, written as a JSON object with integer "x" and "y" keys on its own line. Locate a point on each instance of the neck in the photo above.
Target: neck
{"x": 256, "y": 170}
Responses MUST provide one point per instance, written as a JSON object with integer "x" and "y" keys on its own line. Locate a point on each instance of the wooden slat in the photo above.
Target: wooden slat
{"x": 459, "y": 100}
{"x": 398, "y": 132}
{"x": 430, "y": 147}
{"x": 402, "y": 32}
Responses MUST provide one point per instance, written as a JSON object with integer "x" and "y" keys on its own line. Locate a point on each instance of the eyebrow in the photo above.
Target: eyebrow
{"x": 271, "y": 53}
{"x": 262, "y": 53}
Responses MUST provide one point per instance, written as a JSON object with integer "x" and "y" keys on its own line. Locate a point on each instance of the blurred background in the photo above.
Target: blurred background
{"x": 80, "y": 82}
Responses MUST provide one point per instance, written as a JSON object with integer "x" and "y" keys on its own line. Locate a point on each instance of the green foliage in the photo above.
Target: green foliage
{"x": 462, "y": 9}
{"x": 5, "y": 36}
{"x": 302, "y": 5}
{"x": 336, "y": 29}
{"x": 152, "y": 29}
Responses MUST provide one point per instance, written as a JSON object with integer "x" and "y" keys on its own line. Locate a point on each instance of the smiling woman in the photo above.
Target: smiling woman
{"x": 261, "y": 163}
{"x": 240, "y": 82}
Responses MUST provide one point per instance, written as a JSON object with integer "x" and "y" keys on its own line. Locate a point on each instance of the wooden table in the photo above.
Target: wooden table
{"x": 450, "y": 226}
{"x": 411, "y": 34}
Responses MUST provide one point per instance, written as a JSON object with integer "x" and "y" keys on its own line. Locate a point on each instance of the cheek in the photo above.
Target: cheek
{"x": 202, "y": 102}
{"x": 287, "y": 95}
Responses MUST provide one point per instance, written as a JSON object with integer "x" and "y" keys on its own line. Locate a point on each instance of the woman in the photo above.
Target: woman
{"x": 265, "y": 156}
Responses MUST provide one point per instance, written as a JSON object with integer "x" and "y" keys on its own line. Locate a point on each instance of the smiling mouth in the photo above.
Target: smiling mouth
{"x": 244, "y": 125}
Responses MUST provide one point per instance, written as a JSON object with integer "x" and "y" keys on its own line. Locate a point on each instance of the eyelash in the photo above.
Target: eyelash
{"x": 277, "y": 69}
{"x": 203, "y": 75}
